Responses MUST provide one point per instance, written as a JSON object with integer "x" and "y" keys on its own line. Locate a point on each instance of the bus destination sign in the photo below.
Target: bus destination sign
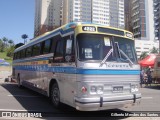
{"x": 89, "y": 28}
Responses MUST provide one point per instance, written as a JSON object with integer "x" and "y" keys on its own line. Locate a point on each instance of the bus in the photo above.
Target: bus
{"x": 87, "y": 66}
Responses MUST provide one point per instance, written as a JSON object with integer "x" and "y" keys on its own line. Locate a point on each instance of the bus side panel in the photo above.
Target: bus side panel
{"x": 68, "y": 82}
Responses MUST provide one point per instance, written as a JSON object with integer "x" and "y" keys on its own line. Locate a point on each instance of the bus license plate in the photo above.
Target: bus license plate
{"x": 118, "y": 89}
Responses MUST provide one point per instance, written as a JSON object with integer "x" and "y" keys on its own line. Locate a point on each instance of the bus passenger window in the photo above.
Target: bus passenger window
{"x": 23, "y": 53}
{"x": 18, "y": 55}
{"x": 36, "y": 50}
{"x": 28, "y": 52}
{"x": 14, "y": 57}
{"x": 59, "y": 54}
{"x": 46, "y": 47}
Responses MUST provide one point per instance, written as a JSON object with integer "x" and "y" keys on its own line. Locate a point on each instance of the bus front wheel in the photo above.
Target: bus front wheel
{"x": 55, "y": 95}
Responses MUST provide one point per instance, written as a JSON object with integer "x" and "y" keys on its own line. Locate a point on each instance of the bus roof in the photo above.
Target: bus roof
{"x": 62, "y": 30}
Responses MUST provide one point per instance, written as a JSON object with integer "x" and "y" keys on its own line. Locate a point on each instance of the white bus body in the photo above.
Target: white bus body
{"x": 94, "y": 69}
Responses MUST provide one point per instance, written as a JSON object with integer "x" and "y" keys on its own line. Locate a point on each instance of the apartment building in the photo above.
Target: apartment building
{"x": 54, "y": 13}
{"x": 107, "y": 12}
{"x": 142, "y": 19}
{"x": 157, "y": 18}
{"x": 47, "y": 15}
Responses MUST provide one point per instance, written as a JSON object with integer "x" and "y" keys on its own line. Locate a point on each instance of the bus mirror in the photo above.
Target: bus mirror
{"x": 68, "y": 58}
{"x": 69, "y": 46}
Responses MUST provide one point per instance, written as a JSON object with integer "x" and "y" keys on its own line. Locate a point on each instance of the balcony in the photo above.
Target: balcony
{"x": 135, "y": 13}
{"x": 136, "y": 20}
{"x": 135, "y": 7}
{"x": 134, "y": 1}
{"x": 137, "y": 26}
{"x": 137, "y": 33}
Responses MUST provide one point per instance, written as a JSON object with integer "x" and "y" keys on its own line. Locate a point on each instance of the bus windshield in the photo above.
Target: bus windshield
{"x": 105, "y": 48}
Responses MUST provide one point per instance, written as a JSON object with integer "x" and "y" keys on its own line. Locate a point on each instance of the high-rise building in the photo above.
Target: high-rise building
{"x": 107, "y": 12}
{"x": 142, "y": 18}
{"x": 157, "y": 18}
{"x": 53, "y": 13}
{"x": 47, "y": 15}
{"x": 127, "y": 13}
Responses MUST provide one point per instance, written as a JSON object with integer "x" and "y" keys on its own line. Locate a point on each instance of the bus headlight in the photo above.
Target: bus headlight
{"x": 93, "y": 89}
{"x": 96, "y": 89}
{"x": 134, "y": 88}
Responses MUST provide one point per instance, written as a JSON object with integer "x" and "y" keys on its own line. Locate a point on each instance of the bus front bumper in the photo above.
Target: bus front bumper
{"x": 105, "y": 103}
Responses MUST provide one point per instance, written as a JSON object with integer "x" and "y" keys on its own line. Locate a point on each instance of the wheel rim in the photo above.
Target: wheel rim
{"x": 55, "y": 96}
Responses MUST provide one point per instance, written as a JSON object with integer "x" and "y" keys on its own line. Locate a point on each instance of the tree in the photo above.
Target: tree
{"x": 10, "y": 42}
{"x": 154, "y": 50}
{"x": 18, "y": 45}
{"x": 1, "y": 46}
{"x": 143, "y": 55}
{"x": 24, "y": 36}
{"x": 5, "y": 40}
{"x": 10, "y": 51}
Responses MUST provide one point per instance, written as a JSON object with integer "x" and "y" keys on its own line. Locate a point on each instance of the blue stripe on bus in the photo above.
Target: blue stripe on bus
{"x": 73, "y": 70}
{"x": 109, "y": 72}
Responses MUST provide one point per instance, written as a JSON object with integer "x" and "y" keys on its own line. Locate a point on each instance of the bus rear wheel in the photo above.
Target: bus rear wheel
{"x": 55, "y": 95}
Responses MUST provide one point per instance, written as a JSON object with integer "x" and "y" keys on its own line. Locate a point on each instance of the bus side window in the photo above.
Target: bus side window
{"x": 23, "y": 54}
{"x": 14, "y": 57}
{"x": 46, "y": 46}
{"x": 18, "y": 55}
{"x": 28, "y": 52}
{"x": 59, "y": 51}
{"x": 36, "y": 50}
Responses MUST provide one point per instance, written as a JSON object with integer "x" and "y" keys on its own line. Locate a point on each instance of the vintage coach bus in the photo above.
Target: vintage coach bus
{"x": 87, "y": 66}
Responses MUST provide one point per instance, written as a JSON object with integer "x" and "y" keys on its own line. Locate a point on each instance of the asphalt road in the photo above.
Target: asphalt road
{"x": 15, "y": 100}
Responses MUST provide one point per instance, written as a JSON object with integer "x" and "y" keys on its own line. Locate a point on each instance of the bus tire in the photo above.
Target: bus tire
{"x": 19, "y": 81}
{"x": 55, "y": 95}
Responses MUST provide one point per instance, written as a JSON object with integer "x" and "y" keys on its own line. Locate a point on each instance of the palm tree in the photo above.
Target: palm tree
{"x": 5, "y": 40}
{"x": 154, "y": 50}
{"x": 10, "y": 42}
{"x": 143, "y": 55}
{"x": 24, "y": 36}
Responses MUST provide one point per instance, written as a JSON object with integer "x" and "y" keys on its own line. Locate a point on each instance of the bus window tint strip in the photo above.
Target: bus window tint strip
{"x": 110, "y": 31}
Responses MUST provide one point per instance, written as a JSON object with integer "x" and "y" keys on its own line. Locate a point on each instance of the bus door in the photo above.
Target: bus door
{"x": 64, "y": 60}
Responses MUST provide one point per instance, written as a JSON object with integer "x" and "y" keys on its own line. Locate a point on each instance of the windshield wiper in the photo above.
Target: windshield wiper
{"x": 106, "y": 57}
{"x": 109, "y": 53}
{"x": 126, "y": 57}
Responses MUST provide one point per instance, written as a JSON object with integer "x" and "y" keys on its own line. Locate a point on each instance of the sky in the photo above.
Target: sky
{"x": 17, "y": 18}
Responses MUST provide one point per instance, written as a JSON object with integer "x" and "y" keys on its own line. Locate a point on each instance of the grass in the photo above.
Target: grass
{"x": 4, "y": 56}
